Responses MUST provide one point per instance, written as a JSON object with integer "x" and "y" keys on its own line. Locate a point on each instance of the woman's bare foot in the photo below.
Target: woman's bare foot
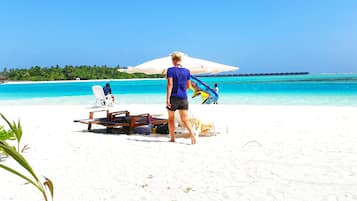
{"x": 172, "y": 140}
{"x": 193, "y": 140}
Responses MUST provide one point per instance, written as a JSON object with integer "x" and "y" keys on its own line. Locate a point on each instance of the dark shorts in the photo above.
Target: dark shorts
{"x": 178, "y": 104}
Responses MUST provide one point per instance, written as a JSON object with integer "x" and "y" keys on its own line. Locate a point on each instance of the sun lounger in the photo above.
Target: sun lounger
{"x": 121, "y": 119}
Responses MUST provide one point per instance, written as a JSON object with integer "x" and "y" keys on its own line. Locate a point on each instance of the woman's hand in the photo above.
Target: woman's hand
{"x": 168, "y": 104}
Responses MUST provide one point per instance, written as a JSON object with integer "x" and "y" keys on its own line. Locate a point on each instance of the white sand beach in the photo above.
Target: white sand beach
{"x": 287, "y": 153}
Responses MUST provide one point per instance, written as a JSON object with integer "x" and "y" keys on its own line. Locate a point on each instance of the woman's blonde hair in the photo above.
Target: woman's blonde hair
{"x": 177, "y": 56}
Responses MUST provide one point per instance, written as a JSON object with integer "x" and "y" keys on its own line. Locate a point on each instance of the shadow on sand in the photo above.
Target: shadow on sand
{"x": 133, "y": 137}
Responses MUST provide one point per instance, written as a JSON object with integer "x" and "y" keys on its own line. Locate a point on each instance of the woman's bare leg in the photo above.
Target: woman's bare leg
{"x": 184, "y": 119}
{"x": 171, "y": 122}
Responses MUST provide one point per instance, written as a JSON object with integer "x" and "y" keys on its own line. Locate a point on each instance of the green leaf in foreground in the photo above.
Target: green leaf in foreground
{"x": 11, "y": 151}
{"x": 16, "y": 129}
{"x": 16, "y": 134}
{"x": 6, "y": 135}
{"x": 19, "y": 174}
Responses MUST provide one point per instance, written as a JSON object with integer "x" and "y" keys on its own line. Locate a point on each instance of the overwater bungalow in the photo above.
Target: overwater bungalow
{"x": 2, "y": 79}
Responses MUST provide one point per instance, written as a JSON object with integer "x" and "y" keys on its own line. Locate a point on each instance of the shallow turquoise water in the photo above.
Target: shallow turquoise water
{"x": 327, "y": 89}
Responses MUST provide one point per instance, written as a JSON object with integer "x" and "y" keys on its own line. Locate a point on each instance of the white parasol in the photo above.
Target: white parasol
{"x": 195, "y": 65}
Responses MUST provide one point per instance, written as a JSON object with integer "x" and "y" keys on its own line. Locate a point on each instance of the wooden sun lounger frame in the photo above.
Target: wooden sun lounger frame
{"x": 111, "y": 120}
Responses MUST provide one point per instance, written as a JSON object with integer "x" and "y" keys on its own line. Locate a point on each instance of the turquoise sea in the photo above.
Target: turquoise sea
{"x": 318, "y": 89}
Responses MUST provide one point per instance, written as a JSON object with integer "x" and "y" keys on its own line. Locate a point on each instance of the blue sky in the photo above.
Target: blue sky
{"x": 257, "y": 35}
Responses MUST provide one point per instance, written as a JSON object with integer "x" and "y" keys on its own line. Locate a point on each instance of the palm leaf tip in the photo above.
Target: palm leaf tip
{"x": 25, "y": 148}
{"x": 18, "y": 131}
{"x": 7, "y": 121}
{"x": 48, "y": 183}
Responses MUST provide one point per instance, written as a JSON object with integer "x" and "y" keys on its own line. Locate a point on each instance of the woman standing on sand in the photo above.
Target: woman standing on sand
{"x": 178, "y": 81}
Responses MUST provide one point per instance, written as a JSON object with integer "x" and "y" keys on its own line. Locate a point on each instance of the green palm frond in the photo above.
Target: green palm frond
{"x": 18, "y": 132}
{"x": 7, "y": 121}
{"x": 15, "y": 128}
{"x": 15, "y": 133}
{"x": 6, "y": 135}
{"x": 20, "y": 175}
{"x": 11, "y": 151}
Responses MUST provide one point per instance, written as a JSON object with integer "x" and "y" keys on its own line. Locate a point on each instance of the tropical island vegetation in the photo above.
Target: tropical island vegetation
{"x": 69, "y": 72}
